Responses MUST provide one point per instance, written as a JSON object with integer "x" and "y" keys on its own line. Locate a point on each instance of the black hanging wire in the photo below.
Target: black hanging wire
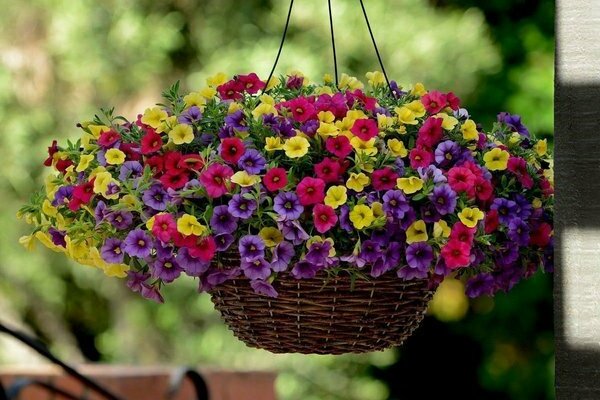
{"x": 376, "y": 49}
{"x": 43, "y": 351}
{"x": 287, "y": 24}
{"x": 335, "y": 65}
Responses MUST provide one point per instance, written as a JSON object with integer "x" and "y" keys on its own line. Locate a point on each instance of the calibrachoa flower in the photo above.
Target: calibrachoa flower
{"x": 306, "y": 180}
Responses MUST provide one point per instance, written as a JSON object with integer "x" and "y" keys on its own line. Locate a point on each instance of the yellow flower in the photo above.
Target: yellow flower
{"x": 189, "y": 225}
{"x": 470, "y": 216}
{"x": 263, "y": 109}
{"x": 469, "y": 130}
{"x": 49, "y": 209}
{"x": 113, "y": 270}
{"x": 319, "y": 90}
{"x": 350, "y": 82}
{"x": 271, "y": 236}
{"x": 320, "y": 239}
{"x": 496, "y": 159}
{"x": 194, "y": 99}
{"x": 150, "y": 222}
{"x": 115, "y": 157}
{"x": 441, "y": 229}
{"x": 417, "y": 108}
{"x": 448, "y": 122}
{"x": 296, "y": 147}
{"x": 418, "y": 90}
{"x": 244, "y": 179}
{"x": 208, "y": 93}
{"x": 327, "y": 129}
{"x": 181, "y": 133}
{"x": 410, "y": 185}
{"x": 357, "y": 182}
{"x": 514, "y": 138}
{"x": 84, "y": 162}
{"x": 360, "y": 146}
{"x": 397, "y": 148}
{"x": 51, "y": 186}
{"x": 76, "y": 250}
{"x": 273, "y": 143}
{"x": 154, "y": 116}
{"x": 27, "y": 242}
{"x": 46, "y": 240}
{"x": 356, "y": 114}
{"x": 384, "y": 122}
{"x": 416, "y": 232}
{"x": 233, "y": 107}
{"x": 327, "y": 78}
{"x": 541, "y": 147}
{"x": 336, "y": 196}
{"x": 536, "y": 203}
{"x": 102, "y": 181}
{"x": 376, "y": 78}
{"x": 97, "y": 130}
{"x": 86, "y": 138}
{"x": 406, "y": 116}
{"x": 167, "y": 124}
{"x": 326, "y": 116}
{"x": 361, "y": 216}
{"x": 344, "y": 126}
{"x": 130, "y": 201}
{"x": 274, "y": 81}
{"x": 377, "y": 208}
{"x": 216, "y": 80}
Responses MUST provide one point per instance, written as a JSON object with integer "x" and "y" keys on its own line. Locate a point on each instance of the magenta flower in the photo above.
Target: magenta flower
{"x": 324, "y": 217}
{"x": 215, "y": 179}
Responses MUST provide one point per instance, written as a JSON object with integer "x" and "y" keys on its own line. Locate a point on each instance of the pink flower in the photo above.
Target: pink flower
{"x": 461, "y": 233}
{"x": 456, "y": 254}
{"x": 483, "y": 189}
{"x": 419, "y": 157}
{"x": 453, "y": 101}
{"x": 215, "y": 179}
{"x": 336, "y": 104}
{"x": 461, "y": 179}
{"x": 324, "y": 217}
{"x": 311, "y": 191}
{"x": 275, "y": 179}
{"x": 365, "y": 129}
{"x": 302, "y": 110}
{"x": 164, "y": 227}
{"x": 358, "y": 96}
{"x": 430, "y": 133}
{"x": 384, "y": 179}
{"x": 434, "y": 101}
{"x": 328, "y": 170}
{"x": 518, "y": 166}
{"x": 339, "y": 146}
{"x": 250, "y": 83}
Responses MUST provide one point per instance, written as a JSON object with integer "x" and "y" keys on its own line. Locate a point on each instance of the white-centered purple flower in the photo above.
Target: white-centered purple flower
{"x": 112, "y": 251}
{"x": 444, "y": 199}
{"x": 138, "y": 244}
{"x": 156, "y": 198}
{"x": 241, "y": 207}
{"x": 252, "y": 162}
{"x": 432, "y": 172}
{"x": 251, "y": 247}
{"x": 222, "y": 221}
{"x": 282, "y": 256}
{"x": 257, "y": 268}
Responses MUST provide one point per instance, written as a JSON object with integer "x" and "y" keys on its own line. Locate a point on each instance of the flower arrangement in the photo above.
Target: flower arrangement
{"x": 300, "y": 179}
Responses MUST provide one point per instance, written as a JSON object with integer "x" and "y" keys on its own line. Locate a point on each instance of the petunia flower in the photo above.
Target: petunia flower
{"x": 242, "y": 207}
{"x": 138, "y": 244}
{"x": 339, "y": 146}
{"x": 215, "y": 178}
{"x": 384, "y": 179}
{"x": 275, "y": 179}
{"x": 287, "y": 205}
{"x": 456, "y": 254}
{"x": 311, "y": 191}
{"x": 328, "y": 170}
{"x": 231, "y": 149}
{"x": 324, "y": 218}
{"x": 365, "y": 129}
{"x": 252, "y": 162}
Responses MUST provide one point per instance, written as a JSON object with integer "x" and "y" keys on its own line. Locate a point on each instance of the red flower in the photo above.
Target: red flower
{"x": 275, "y": 179}
{"x": 108, "y": 138}
{"x": 368, "y": 103}
{"x": 82, "y": 194}
{"x": 62, "y": 165}
{"x": 456, "y": 254}
{"x": 328, "y": 170}
{"x": 164, "y": 227}
{"x": 250, "y": 83}
{"x": 546, "y": 186}
{"x": 232, "y": 149}
{"x": 324, "y": 217}
{"x": 156, "y": 164}
{"x": 311, "y": 191}
{"x": 365, "y": 129}
{"x": 171, "y": 160}
{"x": 461, "y": 179}
{"x": 53, "y": 149}
{"x": 419, "y": 157}
{"x": 483, "y": 189}
{"x": 302, "y": 110}
{"x": 151, "y": 142}
{"x": 204, "y": 248}
{"x": 191, "y": 162}
{"x": 434, "y": 101}
{"x": 174, "y": 179}
{"x": 540, "y": 236}
{"x": 231, "y": 90}
{"x": 131, "y": 150}
{"x": 215, "y": 179}
{"x": 453, "y": 101}
{"x": 491, "y": 221}
{"x": 339, "y": 146}
{"x": 384, "y": 179}
{"x": 474, "y": 168}
{"x": 430, "y": 133}
{"x": 518, "y": 166}
{"x": 462, "y": 233}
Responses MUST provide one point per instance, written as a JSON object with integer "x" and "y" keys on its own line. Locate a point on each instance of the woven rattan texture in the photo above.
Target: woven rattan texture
{"x": 309, "y": 316}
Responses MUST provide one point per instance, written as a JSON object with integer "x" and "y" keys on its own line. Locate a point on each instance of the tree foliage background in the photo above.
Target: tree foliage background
{"x": 61, "y": 60}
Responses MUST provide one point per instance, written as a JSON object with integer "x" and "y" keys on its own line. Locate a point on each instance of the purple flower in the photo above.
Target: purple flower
{"x": 166, "y": 269}
{"x": 441, "y": 268}
{"x": 138, "y": 244}
{"x": 136, "y": 279}
{"x": 222, "y": 221}
{"x": 293, "y": 231}
{"x": 514, "y": 122}
{"x": 518, "y": 232}
{"x": 223, "y": 241}
{"x": 398, "y": 92}
{"x": 419, "y": 256}
{"x": 264, "y": 288}
{"x": 288, "y": 205}
{"x": 407, "y": 273}
{"x": 432, "y": 172}
{"x": 381, "y": 237}
{"x": 345, "y": 222}
{"x": 444, "y": 199}
{"x": 237, "y": 121}
{"x": 214, "y": 277}
{"x": 252, "y": 162}
{"x": 151, "y": 292}
{"x": 310, "y": 127}
{"x": 507, "y": 209}
{"x": 282, "y": 256}
{"x": 409, "y": 217}
{"x": 256, "y": 268}
{"x": 389, "y": 260}
{"x": 112, "y": 188}
{"x": 189, "y": 116}
{"x": 156, "y": 198}
{"x": 120, "y": 219}
{"x": 399, "y": 166}
{"x": 479, "y": 285}
{"x": 524, "y": 207}
{"x": 305, "y": 270}
{"x": 100, "y": 212}
{"x": 447, "y": 153}
{"x": 111, "y": 251}
{"x": 395, "y": 203}
{"x": 318, "y": 253}
{"x": 58, "y": 237}
{"x": 130, "y": 169}
{"x": 370, "y": 251}
{"x": 251, "y": 247}
{"x": 507, "y": 255}
{"x": 62, "y": 195}
{"x": 429, "y": 213}
{"x": 191, "y": 266}
{"x": 241, "y": 207}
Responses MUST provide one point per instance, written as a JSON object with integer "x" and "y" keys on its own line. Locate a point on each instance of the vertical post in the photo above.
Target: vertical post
{"x": 577, "y": 144}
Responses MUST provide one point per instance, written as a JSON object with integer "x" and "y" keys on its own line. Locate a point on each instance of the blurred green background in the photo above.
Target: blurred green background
{"x": 62, "y": 60}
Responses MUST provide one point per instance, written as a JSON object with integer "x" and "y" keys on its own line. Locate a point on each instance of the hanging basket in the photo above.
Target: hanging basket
{"x": 323, "y": 315}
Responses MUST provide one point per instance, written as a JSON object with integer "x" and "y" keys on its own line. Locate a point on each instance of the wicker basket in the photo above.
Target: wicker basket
{"x": 310, "y": 316}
